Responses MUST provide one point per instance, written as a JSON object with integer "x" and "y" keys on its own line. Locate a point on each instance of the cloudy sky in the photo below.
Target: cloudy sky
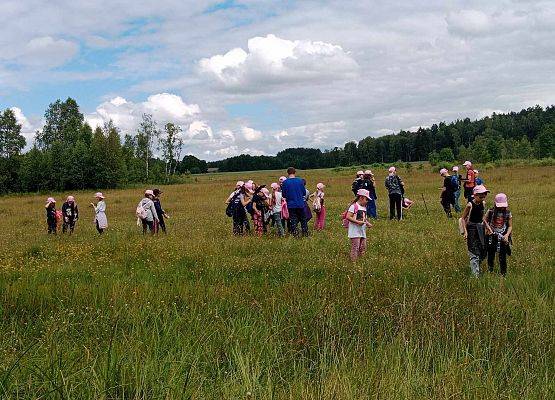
{"x": 257, "y": 76}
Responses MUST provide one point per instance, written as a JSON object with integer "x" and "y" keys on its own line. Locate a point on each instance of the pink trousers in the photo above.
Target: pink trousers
{"x": 358, "y": 247}
{"x": 320, "y": 220}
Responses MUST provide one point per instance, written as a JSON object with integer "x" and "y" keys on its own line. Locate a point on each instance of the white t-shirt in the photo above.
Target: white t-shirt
{"x": 277, "y": 199}
{"x": 357, "y": 231}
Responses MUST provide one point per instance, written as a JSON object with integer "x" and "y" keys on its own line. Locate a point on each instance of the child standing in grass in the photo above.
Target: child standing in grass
{"x": 277, "y": 208}
{"x": 319, "y": 207}
{"x": 70, "y": 213}
{"x": 499, "y": 222}
{"x": 358, "y": 222}
{"x": 474, "y": 228}
{"x": 100, "y": 219}
{"x": 51, "y": 215}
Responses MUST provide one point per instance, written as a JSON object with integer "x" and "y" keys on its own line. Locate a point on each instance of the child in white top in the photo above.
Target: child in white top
{"x": 358, "y": 222}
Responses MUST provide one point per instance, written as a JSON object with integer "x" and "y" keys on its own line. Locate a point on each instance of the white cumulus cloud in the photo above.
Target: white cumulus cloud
{"x": 47, "y": 52}
{"x": 251, "y": 134}
{"x": 271, "y": 60}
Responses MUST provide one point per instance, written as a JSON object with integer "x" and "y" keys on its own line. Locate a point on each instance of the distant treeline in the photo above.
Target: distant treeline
{"x": 68, "y": 154}
{"x": 529, "y": 133}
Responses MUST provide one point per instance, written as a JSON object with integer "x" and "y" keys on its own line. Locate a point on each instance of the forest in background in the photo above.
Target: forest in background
{"x": 68, "y": 154}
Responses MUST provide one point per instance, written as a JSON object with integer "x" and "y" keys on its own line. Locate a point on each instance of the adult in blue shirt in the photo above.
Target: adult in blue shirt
{"x": 294, "y": 191}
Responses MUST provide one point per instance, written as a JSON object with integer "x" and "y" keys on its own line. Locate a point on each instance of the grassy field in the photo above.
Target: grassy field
{"x": 201, "y": 314}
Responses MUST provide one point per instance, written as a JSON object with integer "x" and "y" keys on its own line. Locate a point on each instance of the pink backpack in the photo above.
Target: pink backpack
{"x": 345, "y": 222}
{"x": 284, "y": 209}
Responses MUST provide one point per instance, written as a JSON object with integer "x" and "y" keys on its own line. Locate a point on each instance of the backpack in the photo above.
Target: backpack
{"x": 232, "y": 205}
{"x": 401, "y": 187}
{"x": 284, "y": 209}
{"x": 344, "y": 221}
{"x": 249, "y": 208}
{"x": 141, "y": 212}
{"x": 317, "y": 204}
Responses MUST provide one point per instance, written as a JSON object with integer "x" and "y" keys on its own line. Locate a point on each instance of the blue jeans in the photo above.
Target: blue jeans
{"x": 278, "y": 222}
{"x": 458, "y": 201}
{"x": 371, "y": 209}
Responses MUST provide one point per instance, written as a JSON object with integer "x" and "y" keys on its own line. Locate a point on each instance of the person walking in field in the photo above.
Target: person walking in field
{"x": 146, "y": 212}
{"x": 396, "y": 189}
{"x": 357, "y": 183}
{"x": 473, "y": 228}
{"x": 319, "y": 207}
{"x": 161, "y": 224}
{"x": 294, "y": 192}
{"x": 357, "y": 224}
{"x": 499, "y": 222}
{"x": 469, "y": 181}
{"x": 276, "y": 204}
{"x": 51, "y": 220}
{"x": 369, "y": 183}
{"x": 447, "y": 197}
{"x": 100, "y": 219}
{"x": 456, "y": 178}
{"x": 238, "y": 187}
{"x": 236, "y": 210}
{"x": 259, "y": 207}
{"x": 70, "y": 214}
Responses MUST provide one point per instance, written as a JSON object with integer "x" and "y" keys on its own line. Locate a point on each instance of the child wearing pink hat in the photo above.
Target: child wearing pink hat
{"x": 100, "y": 219}
{"x": 447, "y": 197}
{"x": 51, "y": 222}
{"x": 456, "y": 178}
{"x": 499, "y": 221}
{"x": 260, "y": 204}
{"x": 396, "y": 190}
{"x": 469, "y": 181}
{"x": 358, "y": 222}
{"x": 276, "y": 206}
{"x": 319, "y": 207}
{"x": 473, "y": 228}
{"x": 70, "y": 213}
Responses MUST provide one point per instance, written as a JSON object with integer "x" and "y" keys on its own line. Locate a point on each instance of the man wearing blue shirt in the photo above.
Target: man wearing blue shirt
{"x": 294, "y": 191}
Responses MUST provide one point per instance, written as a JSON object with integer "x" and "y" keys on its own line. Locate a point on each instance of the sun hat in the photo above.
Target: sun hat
{"x": 479, "y": 189}
{"x": 274, "y": 186}
{"x": 368, "y": 172}
{"x": 99, "y": 195}
{"x": 282, "y": 179}
{"x": 363, "y": 192}
{"x": 239, "y": 183}
{"x": 70, "y": 199}
{"x": 320, "y": 186}
{"x": 443, "y": 171}
{"x": 360, "y": 173}
{"x": 476, "y": 171}
{"x": 501, "y": 200}
{"x": 149, "y": 192}
{"x": 50, "y": 200}
{"x": 392, "y": 169}
{"x": 467, "y": 163}
{"x": 248, "y": 185}
{"x": 265, "y": 191}
{"x": 250, "y": 181}
{"x": 455, "y": 169}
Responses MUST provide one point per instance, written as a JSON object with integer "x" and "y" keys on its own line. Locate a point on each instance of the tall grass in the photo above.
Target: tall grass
{"x": 200, "y": 314}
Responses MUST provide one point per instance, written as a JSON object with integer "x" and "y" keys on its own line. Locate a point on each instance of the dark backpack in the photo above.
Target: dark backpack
{"x": 232, "y": 205}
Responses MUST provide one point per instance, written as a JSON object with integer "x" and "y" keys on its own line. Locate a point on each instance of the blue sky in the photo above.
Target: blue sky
{"x": 259, "y": 76}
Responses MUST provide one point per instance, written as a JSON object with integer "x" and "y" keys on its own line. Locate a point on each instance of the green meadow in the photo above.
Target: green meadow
{"x": 200, "y": 314}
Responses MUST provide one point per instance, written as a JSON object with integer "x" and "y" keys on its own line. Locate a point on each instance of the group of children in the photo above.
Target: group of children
{"x": 270, "y": 209}
{"x": 150, "y": 214}
{"x": 487, "y": 232}
{"x": 68, "y": 215}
